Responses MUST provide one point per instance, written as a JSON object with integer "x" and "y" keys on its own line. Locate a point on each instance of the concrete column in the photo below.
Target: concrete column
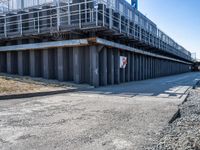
{"x": 77, "y": 64}
{"x": 32, "y": 64}
{"x": 3, "y": 62}
{"x": 136, "y": 65}
{"x": 9, "y": 64}
{"x": 62, "y": 64}
{"x": 122, "y": 71}
{"x": 110, "y": 61}
{"x": 128, "y": 67}
{"x": 152, "y": 67}
{"x": 94, "y": 66}
{"x": 145, "y": 67}
{"x": 116, "y": 66}
{"x": 148, "y": 67}
{"x": 140, "y": 68}
{"x": 132, "y": 67}
{"x": 20, "y": 63}
{"x": 45, "y": 56}
{"x": 103, "y": 71}
{"x": 12, "y": 62}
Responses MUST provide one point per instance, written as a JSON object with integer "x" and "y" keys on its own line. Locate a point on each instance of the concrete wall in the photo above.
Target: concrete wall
{"x": 94, "y": 65}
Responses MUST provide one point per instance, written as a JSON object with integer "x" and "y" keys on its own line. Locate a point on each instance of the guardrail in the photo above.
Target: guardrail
{"x": 49, "y": 19}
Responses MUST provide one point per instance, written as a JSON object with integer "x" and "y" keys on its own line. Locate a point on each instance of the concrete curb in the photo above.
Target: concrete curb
{"x": 38, "y": 94}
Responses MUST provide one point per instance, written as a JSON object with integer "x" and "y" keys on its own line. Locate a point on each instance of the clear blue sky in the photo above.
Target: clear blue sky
{"x": 180, "y": 19}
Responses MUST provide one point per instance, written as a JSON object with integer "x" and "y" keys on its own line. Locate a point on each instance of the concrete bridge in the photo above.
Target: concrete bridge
{"x": 83, "y": 42}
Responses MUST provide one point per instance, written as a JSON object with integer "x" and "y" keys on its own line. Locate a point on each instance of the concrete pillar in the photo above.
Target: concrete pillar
{"x": 45, "y": 56}
{"x": 94, "y": 66}
{"x": 145, "y": 67}
{"x": 20, "y": 63}
{"x": 116, "y": 66}
{"x": 136, "y": 67}
{"x": 49, "y": 63}
{"x": 110, "y": 62}
{"x": 12, "y": 62}
{"x": 151, "y": 68}
{"x": 62, "y": 64}
{"x": 77, "y": 64}
{"x": 128, "y": 67}
{"x": 132, "y": 67}
{"x": 32, "y": 63}
{"x": 3, "y": 62}
{"x": 103, "y": 71}
{"x": 140, "y": 68}
{"x": 122, "y": 70}
{"x": 148, "y": 67}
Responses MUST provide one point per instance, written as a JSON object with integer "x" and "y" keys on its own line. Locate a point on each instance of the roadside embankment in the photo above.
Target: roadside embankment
{"x": 184, "y": 132}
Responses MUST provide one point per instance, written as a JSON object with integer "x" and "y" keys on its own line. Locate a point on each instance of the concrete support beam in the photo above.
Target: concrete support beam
{"x": 116, "y": 66}
{"x": 46, "y": 65}
{"x": 94, "y": 66}
{"x": 140, "y": 75}
{"x": 132, "y": 67}
{"x": 110, "y": 61}
{"x": 32, "y": 64}
{"x": 12, "y": 62}
{"x": 62, "y": 64}
{"x": 20, "y": 63}
{"x": 77, "y": 64}
{"x": 103, "y": 71}
{"x": 122, "y": 71}
{"x": 3, "y": 62}
{"x": 136, "y": 67}
{"x": 128, "y": 67}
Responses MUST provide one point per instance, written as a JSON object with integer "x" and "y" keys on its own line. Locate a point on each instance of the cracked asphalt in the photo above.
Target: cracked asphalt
{"x": 121, "y": 117}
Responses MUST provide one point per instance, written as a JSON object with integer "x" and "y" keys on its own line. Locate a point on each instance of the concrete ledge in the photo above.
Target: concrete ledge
{"x": 45, "y": 45}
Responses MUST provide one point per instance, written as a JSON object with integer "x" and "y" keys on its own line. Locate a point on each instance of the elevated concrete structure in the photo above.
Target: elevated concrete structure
{"x": 82, "y": 42}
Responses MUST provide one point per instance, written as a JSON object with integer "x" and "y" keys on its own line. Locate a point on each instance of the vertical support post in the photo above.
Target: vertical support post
{"x": 122, "y": 71}
{"x": 32, "y": 64}
{"x": 9, "y": 63}
{"x": 136, "y": 67}
{"x": 20, "y": 60}
{"x": 45, "y": 55}
{"x": 110, "y": 61}
{"x": 128, "y": 68}
{"x": 94, "y": 66}
{"x": 132, "y": 69}
{"x": 103, "y": 71}
{"x": 116, "y": 66}
{"x": 77, "y": 64}
{"x": 20, "y": 63}
{"x": 60, "y": 62}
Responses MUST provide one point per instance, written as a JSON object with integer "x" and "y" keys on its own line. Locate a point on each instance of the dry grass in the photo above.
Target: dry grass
{"x": 12, "y": 86}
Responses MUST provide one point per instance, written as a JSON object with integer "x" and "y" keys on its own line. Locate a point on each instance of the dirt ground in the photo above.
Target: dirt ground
{"x": 13, "y": 84}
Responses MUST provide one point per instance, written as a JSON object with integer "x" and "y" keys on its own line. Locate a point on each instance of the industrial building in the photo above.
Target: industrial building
{"x": 97, "y": 42}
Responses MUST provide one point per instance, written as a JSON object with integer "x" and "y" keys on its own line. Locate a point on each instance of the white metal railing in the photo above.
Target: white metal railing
{"x": 84, "y": 15}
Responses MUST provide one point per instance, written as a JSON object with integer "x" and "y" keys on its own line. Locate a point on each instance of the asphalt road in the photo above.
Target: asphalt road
{"x": 126, "y": 116}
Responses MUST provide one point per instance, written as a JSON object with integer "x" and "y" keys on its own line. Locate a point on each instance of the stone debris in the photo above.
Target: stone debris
{"x": 184, "y": 132}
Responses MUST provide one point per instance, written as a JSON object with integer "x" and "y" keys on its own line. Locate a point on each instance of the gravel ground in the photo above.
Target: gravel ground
{"x": 184, "y": 132}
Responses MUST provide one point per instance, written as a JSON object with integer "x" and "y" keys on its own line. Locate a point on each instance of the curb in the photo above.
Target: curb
{"x": 38, "y": 94}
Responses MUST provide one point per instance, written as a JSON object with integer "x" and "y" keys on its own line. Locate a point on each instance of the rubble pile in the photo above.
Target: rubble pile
{"x": 184, "y": 132}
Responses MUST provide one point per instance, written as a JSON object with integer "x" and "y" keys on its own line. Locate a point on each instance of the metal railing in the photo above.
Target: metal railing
{"x": 49, "y": 19}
